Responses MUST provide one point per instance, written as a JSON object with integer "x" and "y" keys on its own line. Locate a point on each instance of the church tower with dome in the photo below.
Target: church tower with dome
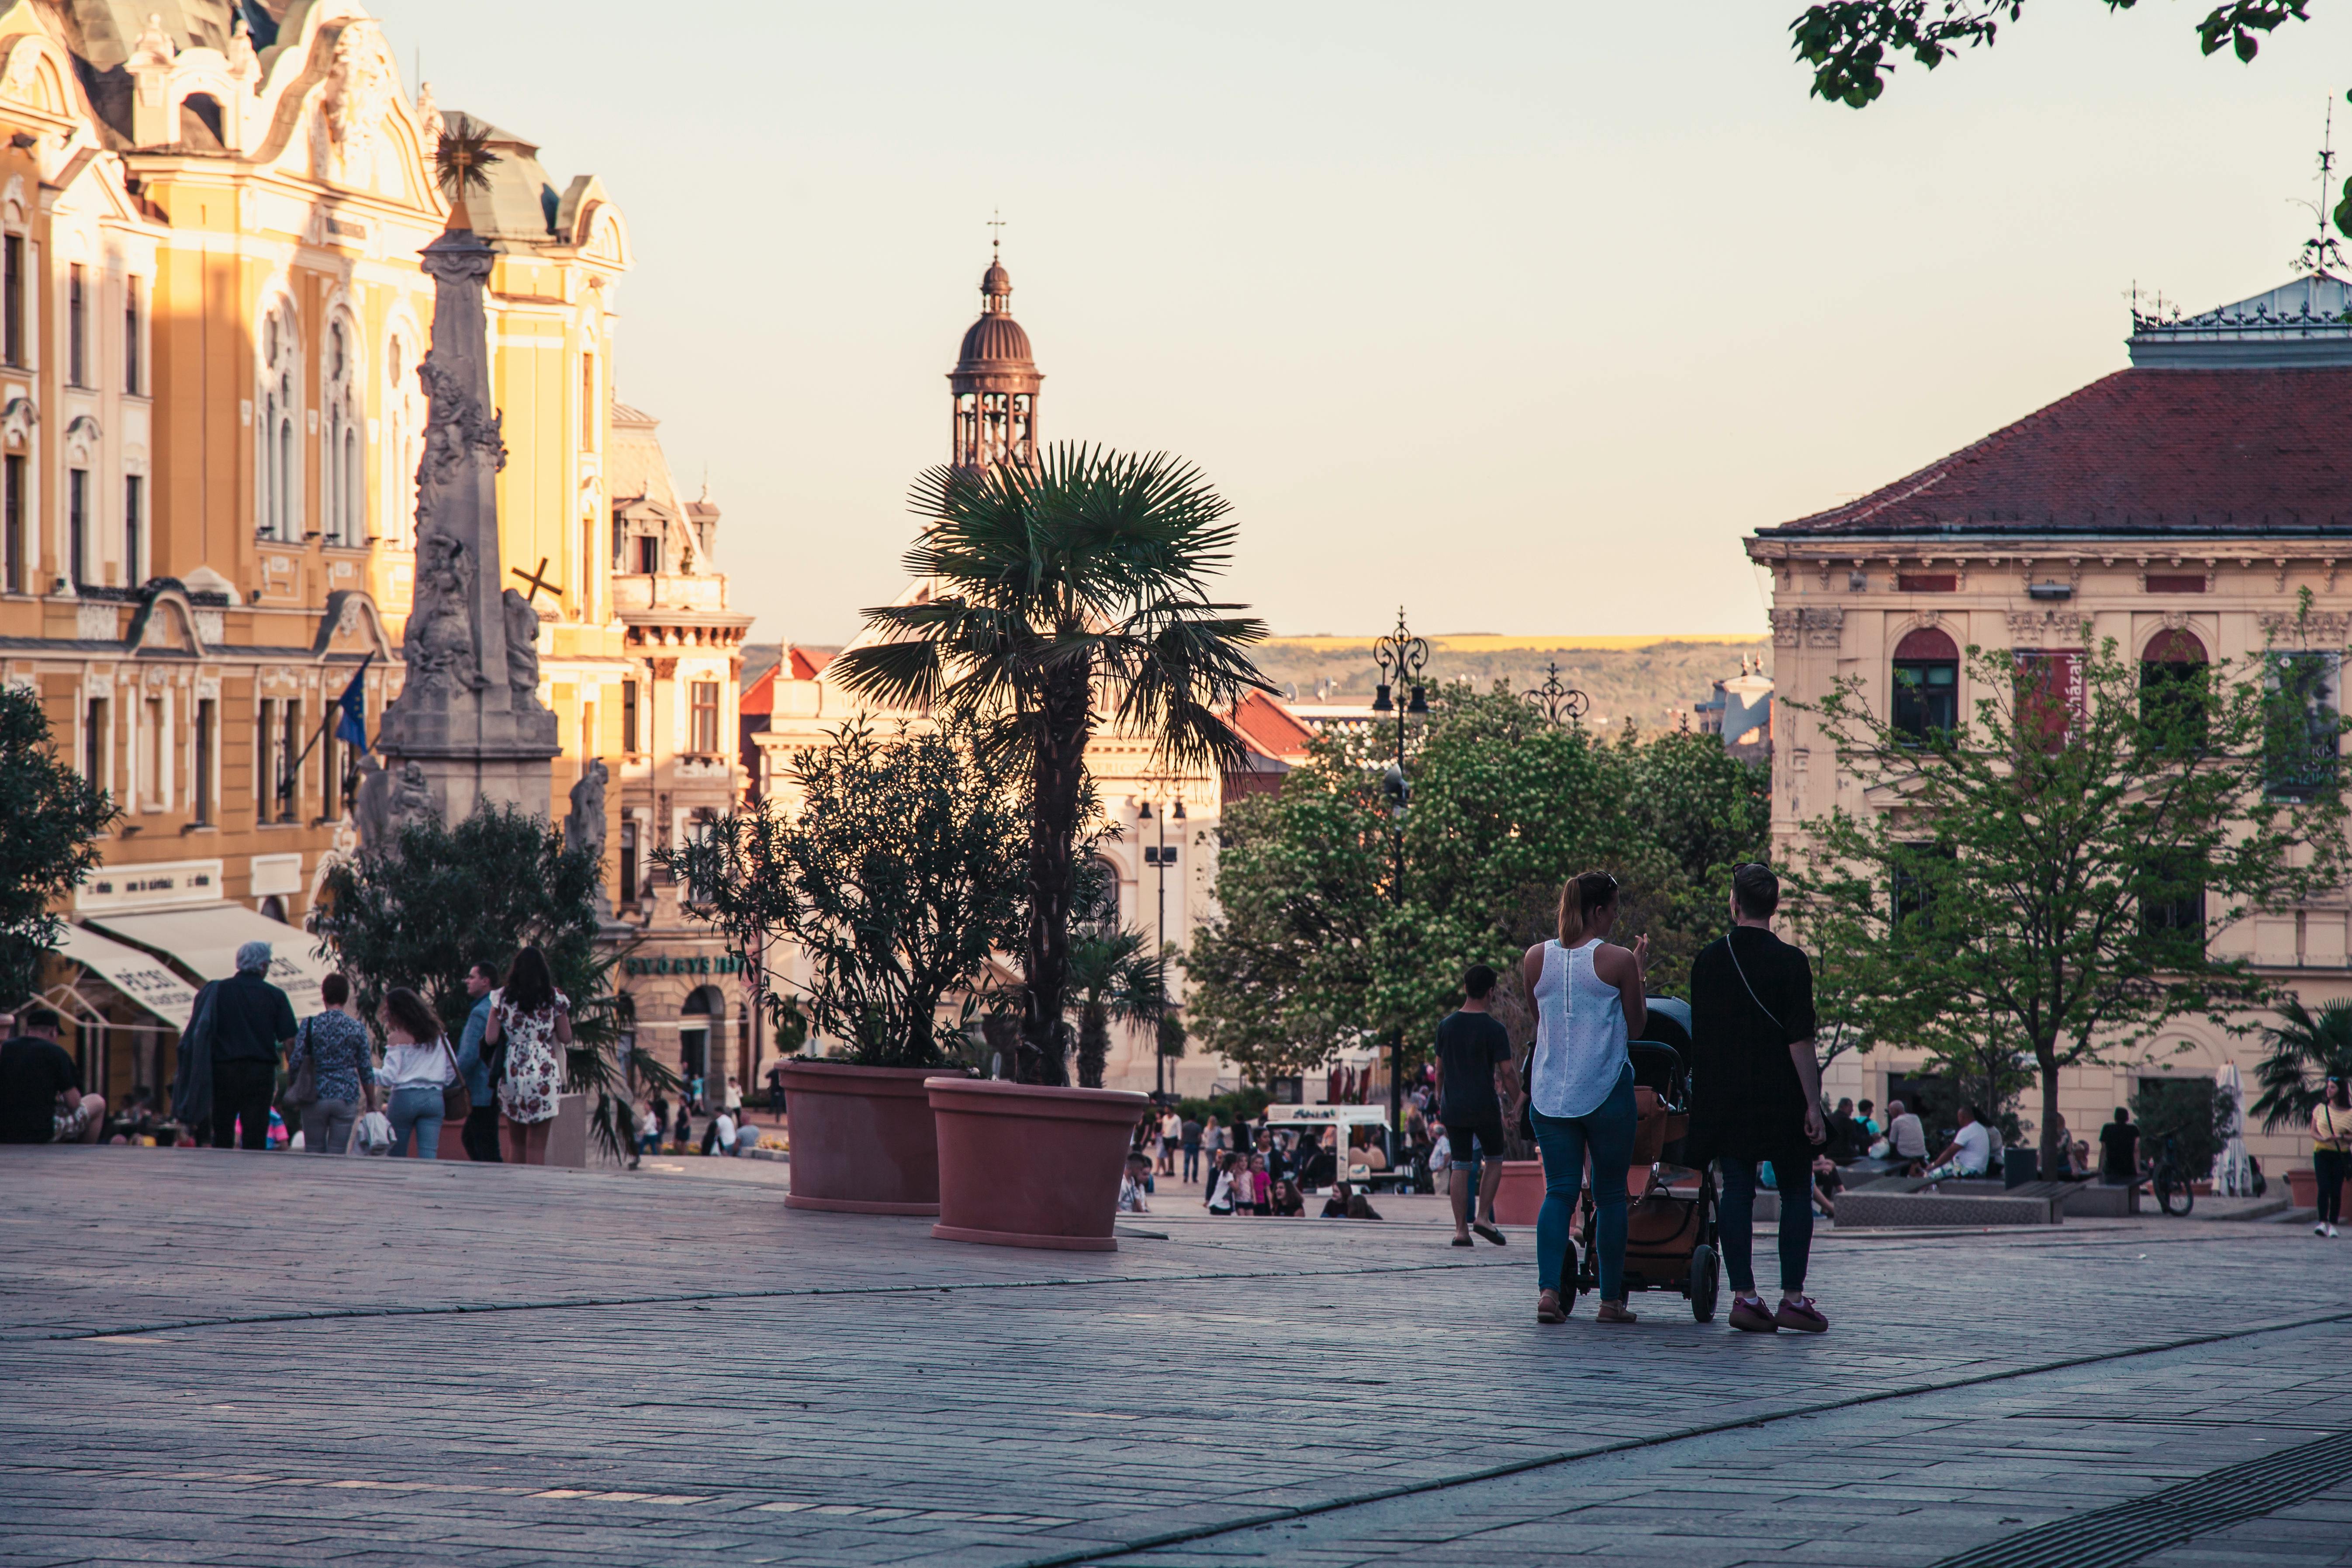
{"x": 995, "y": 381}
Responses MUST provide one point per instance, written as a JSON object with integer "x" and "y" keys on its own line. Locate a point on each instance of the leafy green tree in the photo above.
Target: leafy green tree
{"x": 2306, "y": 1048}
{"x": 1851, "y": 44}
{"x": 902, "y": 870}
{"x": 442, "y": 898}
{"x": 1311, "y": 950}
{"x": 55, "y": 817}
{"x": 1064, "y": 596}
{"x": 1113, "y": 980}
{"x": 2044, "y": 874}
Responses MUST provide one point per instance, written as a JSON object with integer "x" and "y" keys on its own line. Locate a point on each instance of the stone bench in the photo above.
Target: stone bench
{"x": 1898, "y": 1203}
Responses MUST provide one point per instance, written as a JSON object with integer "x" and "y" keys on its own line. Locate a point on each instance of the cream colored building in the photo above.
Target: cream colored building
{"x": 211, "y": 315}
{"x": 2182, "y": 505}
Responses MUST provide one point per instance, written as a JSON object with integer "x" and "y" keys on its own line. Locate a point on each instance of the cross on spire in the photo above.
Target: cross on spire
{"x": 2320, "y": 251}
{"x": 996, "y": 240}
{"x": 538, "y": 581}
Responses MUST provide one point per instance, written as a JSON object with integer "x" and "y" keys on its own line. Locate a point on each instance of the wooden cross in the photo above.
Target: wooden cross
{"x": 537, "y": 580}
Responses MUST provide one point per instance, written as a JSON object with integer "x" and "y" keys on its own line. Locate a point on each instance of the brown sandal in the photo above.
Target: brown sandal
{"x": 1549, "y": 1310}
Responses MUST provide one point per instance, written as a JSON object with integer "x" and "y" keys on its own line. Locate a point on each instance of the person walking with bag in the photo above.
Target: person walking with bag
{"x": 334, "y": 1070}
{"x": 419, "y": 1069}
{"x": 2331, "y": 1136}
{"x": 481, "y": 1133}
{"x": 1755, "y": 1095}
{"x": 1590, "y": 1000}
{"x": 531, "y": 1021}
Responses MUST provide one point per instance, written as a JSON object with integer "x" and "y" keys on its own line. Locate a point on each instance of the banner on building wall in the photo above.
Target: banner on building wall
{"x": 2053, "y": 694}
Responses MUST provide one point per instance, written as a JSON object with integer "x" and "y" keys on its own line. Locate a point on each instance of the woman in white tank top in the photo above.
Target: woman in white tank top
{"x": 1589, "y": 1000}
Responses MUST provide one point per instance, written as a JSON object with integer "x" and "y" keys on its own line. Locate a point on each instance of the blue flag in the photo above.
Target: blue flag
{"x": 351, "y": 728}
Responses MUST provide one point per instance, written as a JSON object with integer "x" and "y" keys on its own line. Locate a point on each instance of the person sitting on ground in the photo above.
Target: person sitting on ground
{"x": 2119, "y": 1150}
{"x": 1131, "y": 1198}
{"x": 1289, "y": 1203}
{"x": 1361, "y": 1207}
{"x": 747, "y": 1136}
{"x": 1969, "y": 1152}
{"x": 1907, "y": 1141}
{"x": 1335, "y": 1206}
{"x": 1827, "y": 1183}
{"x": 41, "y": 1099}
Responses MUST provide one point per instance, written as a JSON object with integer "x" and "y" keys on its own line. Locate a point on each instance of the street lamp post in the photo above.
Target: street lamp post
{"x": 1402, "y": 658}
{"x": 1557, "y": 702}
{"x": 1158, "y": 856}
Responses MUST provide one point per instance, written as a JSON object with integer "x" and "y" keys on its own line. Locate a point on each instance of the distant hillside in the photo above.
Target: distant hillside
{"x": 1655, "y": 679}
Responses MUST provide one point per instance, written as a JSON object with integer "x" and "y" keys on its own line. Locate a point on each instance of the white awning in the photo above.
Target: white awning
{"x": 144, "y": 979}
{"x": 206, "y": 938}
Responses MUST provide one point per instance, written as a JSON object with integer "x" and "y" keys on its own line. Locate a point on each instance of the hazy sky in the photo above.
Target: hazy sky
{"x": 1519, "y": 314}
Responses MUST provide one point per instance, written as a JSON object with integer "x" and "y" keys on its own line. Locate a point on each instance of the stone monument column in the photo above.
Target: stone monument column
{"x": 468, "y": 715}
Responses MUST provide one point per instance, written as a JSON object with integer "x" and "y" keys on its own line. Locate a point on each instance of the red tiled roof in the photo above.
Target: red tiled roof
{"x": 759, "y": 697}
{"x": 2142, "y": 451}
{"x": 1270, "y": 727}
{"x": 807, "y": 664}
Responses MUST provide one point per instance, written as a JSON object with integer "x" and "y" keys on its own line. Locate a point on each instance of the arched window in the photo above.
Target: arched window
{"x": 276, "y": 407}
{"x": 1097, "y": 903}
{"x": 1927, "y": 683}
{"x": 403, "y": 434}
{"x": 339, "y": 451}
{"x": 2172, "y": 669}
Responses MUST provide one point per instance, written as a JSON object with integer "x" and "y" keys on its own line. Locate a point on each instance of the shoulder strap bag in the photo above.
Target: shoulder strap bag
{"x": 304, "y": 1090}
{"x": 1732, "y": 948}
{"x": 456, "y": 1102}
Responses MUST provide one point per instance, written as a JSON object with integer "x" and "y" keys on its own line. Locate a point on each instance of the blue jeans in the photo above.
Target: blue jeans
{"x": 1793, "y": 1171}
{"x": 417, "y": 1108}
{"x": 1607, "y": 1135}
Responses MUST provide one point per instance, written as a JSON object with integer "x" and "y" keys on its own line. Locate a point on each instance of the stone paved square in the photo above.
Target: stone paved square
{"x": 369, "y": 1362}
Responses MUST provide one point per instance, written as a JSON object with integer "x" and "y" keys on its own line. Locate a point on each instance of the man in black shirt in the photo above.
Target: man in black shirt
{"x": 1755, "y": 1095}
{"x": 252, "y": 1022}
{"x": 2119, "y": 1150}
{"x": 36, "y": 1073}
{"x": 1475, "y": 1080}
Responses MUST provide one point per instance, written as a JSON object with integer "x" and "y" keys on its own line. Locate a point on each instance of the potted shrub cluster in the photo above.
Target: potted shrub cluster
{"x": 1065, "y": 593}
{"x": 898, "y": 873}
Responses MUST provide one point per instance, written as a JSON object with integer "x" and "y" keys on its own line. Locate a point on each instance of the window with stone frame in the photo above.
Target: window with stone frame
{"x": 2172, "y": 900}
{"x": 2171, "y": 668}
{"x": 339, "y": 444}
{"x": 277, "y": 436}
{"x": 1927, "y": 684}
{"x": 703, "y": 715}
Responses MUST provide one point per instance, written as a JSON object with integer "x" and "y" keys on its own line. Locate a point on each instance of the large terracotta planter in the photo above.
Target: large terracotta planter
{"x": 2304, "y": 1183}
{"x": 861, "y": 1138}
{"x": 1521, "y": 1193}
{"x": 1027, "y": 1166}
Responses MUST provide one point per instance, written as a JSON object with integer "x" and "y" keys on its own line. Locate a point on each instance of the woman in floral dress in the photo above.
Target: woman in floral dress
{"x": 530, "y": 1025}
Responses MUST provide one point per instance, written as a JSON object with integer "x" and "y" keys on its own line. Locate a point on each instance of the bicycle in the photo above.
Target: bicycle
{"x": 2170, "y": 1181}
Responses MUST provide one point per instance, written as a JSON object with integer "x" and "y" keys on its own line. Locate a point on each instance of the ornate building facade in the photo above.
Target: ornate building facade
{"x": 212, "y": 312}
{"x": 2183, "y": 507}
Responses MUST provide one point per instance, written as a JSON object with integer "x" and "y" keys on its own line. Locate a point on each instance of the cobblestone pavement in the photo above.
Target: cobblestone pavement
{"x": 226, "y": 1358}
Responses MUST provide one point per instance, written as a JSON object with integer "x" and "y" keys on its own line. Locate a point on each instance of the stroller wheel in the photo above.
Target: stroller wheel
{"x": 1704, "y": 1277}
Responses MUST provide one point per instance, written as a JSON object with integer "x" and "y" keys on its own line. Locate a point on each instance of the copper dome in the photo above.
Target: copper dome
{"x": 994, "y": 340}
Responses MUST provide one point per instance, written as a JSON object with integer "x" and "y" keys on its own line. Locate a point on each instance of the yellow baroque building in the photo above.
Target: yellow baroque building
{"x": 211, "y": 315}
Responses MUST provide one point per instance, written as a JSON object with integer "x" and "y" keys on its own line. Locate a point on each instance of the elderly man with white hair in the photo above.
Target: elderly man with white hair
{"x": 252, "y": 1023}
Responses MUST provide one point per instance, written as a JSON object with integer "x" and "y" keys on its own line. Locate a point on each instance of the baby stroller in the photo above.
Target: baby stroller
{"x": 1671, "y": 1242}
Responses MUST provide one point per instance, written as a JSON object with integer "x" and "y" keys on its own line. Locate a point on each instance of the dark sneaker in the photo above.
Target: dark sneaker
{"x": 1802, "y": 1317}
{"x": 1749, "y": 1315}
{"x": 1491, "y": 1233}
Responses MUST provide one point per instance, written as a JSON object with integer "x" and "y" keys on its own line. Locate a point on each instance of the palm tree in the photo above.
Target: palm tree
{"x": 2308, "y": 1048}
{"x": 1065, "y": 593}
{"x": 1112, "y": 978}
